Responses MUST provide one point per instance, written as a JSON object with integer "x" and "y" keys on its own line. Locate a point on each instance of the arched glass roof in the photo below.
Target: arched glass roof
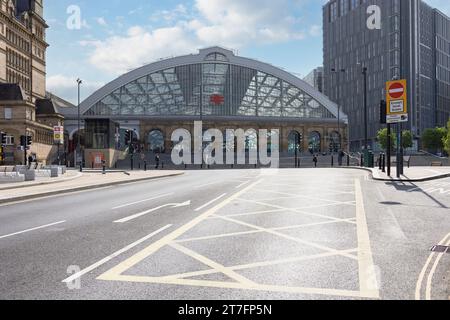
{"x": 211, "y": 84}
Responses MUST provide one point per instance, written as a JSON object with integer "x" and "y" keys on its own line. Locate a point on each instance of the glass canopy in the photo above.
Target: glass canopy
{"x": 212, "y": 88}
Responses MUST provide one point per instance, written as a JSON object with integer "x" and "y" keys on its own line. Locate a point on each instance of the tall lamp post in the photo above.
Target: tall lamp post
{"x": 79, "y": 158}
{"x": 338, "y": 72}
{"x": 364, "y": 72}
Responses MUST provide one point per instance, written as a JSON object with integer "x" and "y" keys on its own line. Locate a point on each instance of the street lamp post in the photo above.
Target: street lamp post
{"x": 364, "y": 72}
{"x": 343, "y": 71}
{"x": 79, "y": 158}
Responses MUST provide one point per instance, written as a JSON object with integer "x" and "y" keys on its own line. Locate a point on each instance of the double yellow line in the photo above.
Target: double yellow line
{"x": 437, "y": 258}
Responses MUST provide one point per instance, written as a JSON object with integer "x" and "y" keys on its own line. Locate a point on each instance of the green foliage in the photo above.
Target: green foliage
{"x": 383, "y": 140}
{"x": 407, "y": 139}
{"x": 433, "y": 139}
{"x": 446, "y": 139}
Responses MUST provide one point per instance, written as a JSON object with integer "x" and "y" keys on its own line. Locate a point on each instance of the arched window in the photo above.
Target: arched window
{"x": 294, "y": 142}
{"x": 314, "y": 144}
{"x": 156, "y": 141}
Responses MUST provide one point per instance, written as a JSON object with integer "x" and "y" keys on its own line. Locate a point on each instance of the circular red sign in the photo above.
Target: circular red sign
{"x": 396, "y": 90}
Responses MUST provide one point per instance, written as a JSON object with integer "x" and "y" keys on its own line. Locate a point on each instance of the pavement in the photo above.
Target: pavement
{"x": 75, "y": 181}
{"x": 288, "y": 234}
{"x": 70, "y": 175}
{"x": 413, "y": 174}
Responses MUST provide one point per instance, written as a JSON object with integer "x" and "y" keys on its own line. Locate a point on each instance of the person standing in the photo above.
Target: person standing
{"x": 157, "y": 160}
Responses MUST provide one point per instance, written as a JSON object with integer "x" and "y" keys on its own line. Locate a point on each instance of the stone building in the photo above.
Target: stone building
{"x": 25, "y": 109}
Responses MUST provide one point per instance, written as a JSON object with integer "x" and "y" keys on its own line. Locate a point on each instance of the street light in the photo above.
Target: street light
{"x": 79, "y": 82}
{"x": 333, "y": 70}
{"x": 364, "y": 72}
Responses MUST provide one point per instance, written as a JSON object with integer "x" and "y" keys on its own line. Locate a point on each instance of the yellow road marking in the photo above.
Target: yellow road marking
{"x": 231, "y": 285}
{"x": 367, "y": 277}
{"x": 257, "y": 264}
{"x": 425, "y": 268}
{"x": 295, "y": 210}
{"x": 216, "y": 266}
{"x": 225, "y": 235}
{"x": 122, "y": 267}
{"x": 282, "y": 235}
{"x": 432, "y": 272}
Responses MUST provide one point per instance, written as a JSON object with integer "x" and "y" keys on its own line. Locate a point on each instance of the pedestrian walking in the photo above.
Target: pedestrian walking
{"x": 315, "y": 160}
{"x": 341, "y": 157}
{"x": 157, "y": 160}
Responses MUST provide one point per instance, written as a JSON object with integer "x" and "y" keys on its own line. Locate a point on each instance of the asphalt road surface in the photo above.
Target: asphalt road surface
{"x": 232, "y": 234}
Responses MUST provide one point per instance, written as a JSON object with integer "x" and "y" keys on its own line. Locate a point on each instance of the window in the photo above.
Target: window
{"x": 9, "y": 140}
{"x": 8, "y": 113}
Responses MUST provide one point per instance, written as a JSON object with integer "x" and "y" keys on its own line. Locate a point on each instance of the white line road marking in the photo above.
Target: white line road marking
{"x": 424, "y": 270}
{"x": 112, "y": 256}
{"x": 207, "y": 184}
{"x": 210, "y": 202}
{"x": 32, "y": 229}
{"x": 141, "y": 201}
{"x": 115, "y": 273}
{"x": 242, "y": 184}
{"x": 138, "y": 215}
{"x": 367, "y": 277}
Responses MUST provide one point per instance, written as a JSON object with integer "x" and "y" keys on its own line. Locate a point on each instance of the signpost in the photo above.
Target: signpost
{"x": 58, "y": 138}
{"x": 397, "y": 112}
{"x": 396, "y": 101}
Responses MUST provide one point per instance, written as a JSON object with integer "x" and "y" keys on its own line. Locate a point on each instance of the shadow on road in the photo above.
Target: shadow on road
{"x": 412, "y": 187}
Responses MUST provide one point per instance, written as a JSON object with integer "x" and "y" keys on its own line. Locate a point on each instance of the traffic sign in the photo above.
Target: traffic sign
{"x": 396, "y": 90}
{"x": 58, "y": 134}
{"x": 396, "y": 101}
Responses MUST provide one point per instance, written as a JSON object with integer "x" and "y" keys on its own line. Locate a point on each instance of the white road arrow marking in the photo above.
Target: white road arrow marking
{"x": 137, "y": 215}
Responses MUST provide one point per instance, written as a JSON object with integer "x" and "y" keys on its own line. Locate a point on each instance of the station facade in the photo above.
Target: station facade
{"x": 216, "y": 86}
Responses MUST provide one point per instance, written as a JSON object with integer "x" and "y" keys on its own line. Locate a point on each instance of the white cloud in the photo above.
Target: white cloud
{"x": 66, "y": 87}
{"x": 118, "y": 54}
{"x": 102, "y": 22}
{"x": 228, "y": 23}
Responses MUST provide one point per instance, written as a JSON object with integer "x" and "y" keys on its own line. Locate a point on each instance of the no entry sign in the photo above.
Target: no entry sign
{"x": 396, "y": 90}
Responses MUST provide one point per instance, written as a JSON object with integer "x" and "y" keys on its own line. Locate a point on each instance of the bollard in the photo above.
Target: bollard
{"x": 383, "y": 165}
{"x": 379, "y": 162}
{"x": 348, "y": 160}
{"x": 362, "y": 160}
{"x": 139, "y": 165}
{"x": 145, "y": 165}
{"x": 92, "y": 165}
{"x": 332, "y": 160}
{"x": 132, "y": 164}
{"x": 185, "y": 166}
{"x": 162, "y": 165}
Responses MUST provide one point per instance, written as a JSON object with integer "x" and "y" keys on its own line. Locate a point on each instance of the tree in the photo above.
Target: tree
{"x": 407, "y": 139}
{"x": 382, "y": 139}
{"x": 446, "y": 139}
{"x": 432, "y": 139}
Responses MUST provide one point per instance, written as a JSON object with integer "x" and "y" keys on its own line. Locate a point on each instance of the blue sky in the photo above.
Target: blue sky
{"x": 114, "y": 36}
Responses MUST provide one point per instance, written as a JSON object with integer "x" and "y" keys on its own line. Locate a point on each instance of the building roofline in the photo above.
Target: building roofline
{"x": 200, "y": 58}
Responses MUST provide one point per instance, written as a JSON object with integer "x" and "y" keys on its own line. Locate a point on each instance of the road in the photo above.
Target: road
{"x": 231, "y": 234}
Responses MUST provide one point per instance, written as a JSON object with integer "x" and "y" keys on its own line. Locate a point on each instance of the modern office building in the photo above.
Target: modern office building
{"x": 222, "y": 89}
{"x": 413, "y": 43}
{"x": 315, "y": 79}
{"x": 25, "y": 108}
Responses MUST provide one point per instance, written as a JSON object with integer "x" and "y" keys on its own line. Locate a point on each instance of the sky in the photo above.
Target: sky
{"x": 97, "y": 41}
